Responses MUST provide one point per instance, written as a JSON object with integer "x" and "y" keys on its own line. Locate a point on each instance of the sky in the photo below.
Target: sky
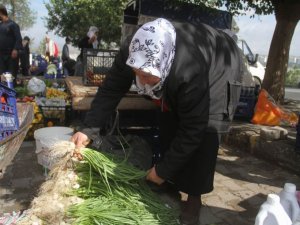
{"x": 257, "y": 31}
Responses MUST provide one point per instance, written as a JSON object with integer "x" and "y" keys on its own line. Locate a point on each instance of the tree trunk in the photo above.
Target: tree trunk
{"x": 287, "y": 18}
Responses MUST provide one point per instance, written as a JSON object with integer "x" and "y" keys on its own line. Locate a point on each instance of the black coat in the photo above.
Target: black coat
{"x": 201, "y": 92}
{"x": 84, "y": 44}
{"x": 65, "y": 55}
{"x": 10, "y": 37}
{"x": 25, "y": 60}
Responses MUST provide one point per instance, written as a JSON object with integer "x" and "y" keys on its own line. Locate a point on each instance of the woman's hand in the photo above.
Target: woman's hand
{"x": 80, "y": 140}
{"x": 153, "y": 177}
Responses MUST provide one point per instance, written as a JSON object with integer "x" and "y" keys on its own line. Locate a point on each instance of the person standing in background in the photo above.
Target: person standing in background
{"x": 51, "y": 49}
{"x": 89, "y": 41}
{"x": 65, "y": 56}
{"x": 24, "y": 57}
{"x": 10, "y": 44}
{"x": 68, "y": 63}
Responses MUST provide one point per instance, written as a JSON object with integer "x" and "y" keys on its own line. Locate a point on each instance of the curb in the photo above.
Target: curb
{"x": 247, "y": 137}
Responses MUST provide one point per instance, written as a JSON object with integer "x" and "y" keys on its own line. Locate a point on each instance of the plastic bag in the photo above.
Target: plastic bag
{"x": 51, "y": 69}
{"x": 35, "y": 86}
{"x": 267, "y": 112}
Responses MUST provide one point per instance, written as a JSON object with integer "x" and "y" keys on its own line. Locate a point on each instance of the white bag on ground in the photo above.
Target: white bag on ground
{"x": 36, "y": 86}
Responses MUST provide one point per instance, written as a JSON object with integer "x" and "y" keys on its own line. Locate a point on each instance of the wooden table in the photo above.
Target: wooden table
{"x": 82, "y": 97}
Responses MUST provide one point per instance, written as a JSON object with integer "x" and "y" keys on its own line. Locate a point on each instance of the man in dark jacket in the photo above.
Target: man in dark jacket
{"x": 68, "y": 63}
{"x": 194, "y": 72}
{"x": 10, "y": 43}
{"x": 90, "y": 41}
{"x": 24, "y": 57}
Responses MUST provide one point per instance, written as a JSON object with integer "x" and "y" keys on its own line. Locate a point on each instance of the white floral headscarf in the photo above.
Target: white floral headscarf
{"x": 152, "y": 50}
{"x": 92, "y": 31}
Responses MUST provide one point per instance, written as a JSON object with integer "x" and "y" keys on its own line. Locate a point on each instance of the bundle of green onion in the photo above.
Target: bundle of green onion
{"x": 115, "y": 192}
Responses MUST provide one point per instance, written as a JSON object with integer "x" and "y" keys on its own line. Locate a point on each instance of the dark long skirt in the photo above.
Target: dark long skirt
{"x": 197, "y": 176}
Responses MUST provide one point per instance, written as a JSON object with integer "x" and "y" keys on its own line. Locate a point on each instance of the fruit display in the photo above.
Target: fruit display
{"x": 55, "y": 93}
{"x": 53, "y": 109}
{"x": 21, "y": 91}
{"x": 48, "y": 83}
{"x": 37, "y": 122}
{"x": 94, "y": 79}
{"x": 26, "y": 99}
{"x": 49, "y": 105}
{"x": 49, "y": 110}
{"x": 23, "y": 95}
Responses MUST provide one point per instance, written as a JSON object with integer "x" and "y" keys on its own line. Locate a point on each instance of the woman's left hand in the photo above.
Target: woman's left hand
{"x": 153, "y": 177}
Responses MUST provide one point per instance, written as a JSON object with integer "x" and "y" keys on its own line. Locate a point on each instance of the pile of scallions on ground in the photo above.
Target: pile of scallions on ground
{"x": 115, "y": 193}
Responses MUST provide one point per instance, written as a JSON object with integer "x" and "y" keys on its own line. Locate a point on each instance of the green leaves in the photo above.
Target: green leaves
{"x": 21, "y": 12}
{"x": 237, "y": 6}
{"x": 115, "y": 193}
{"x": 74, "y": 17}
{"x": 293, "y": 77}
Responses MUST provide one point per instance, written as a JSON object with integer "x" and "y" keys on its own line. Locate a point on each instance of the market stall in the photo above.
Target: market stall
{"x": 82, "y": 97}
{"x": 49, "y": 100}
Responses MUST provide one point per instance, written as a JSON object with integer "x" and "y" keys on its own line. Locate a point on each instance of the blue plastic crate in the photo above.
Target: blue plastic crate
{"x": 245, "y": 107}
{"x": 59, "y": 75}
{"x": 247, "y": 102}
{"x": 9, "y": 122}
{"x": 41, "y": 65}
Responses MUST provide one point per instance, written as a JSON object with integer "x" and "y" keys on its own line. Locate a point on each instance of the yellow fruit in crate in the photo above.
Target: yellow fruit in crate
{"x": 50, "y": 124}
{"x": 39, "y": 117}
{"x": 54, "y": 93}
{"x": 35, "y": 121}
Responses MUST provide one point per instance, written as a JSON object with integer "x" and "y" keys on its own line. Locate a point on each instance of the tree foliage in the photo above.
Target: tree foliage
{"x": 21, "y": 12}
{"x": 237, "y": 7}
{"x": 74, "y": 17}
{"x": 287, "y": 16}
{"x": 293, "y": 77}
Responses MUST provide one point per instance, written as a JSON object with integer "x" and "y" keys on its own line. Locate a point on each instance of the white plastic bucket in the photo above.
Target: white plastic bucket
{"x": 47, "y": 137}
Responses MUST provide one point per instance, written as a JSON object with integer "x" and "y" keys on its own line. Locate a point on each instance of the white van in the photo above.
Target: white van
{"x": 256, "y": 69}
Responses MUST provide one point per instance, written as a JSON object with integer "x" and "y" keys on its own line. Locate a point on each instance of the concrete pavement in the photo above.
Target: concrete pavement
{"x": 276, "y": 147}
{"x": 242, "y": 183}
{"x": 249, "y": 168}
{"x": 21, "y": 179}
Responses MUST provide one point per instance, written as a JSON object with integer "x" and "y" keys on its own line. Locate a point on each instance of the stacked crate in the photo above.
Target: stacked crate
{"x": 247, "y": 102}
{"x": 96, "y": 64}
{"x": 9, "y": 122}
